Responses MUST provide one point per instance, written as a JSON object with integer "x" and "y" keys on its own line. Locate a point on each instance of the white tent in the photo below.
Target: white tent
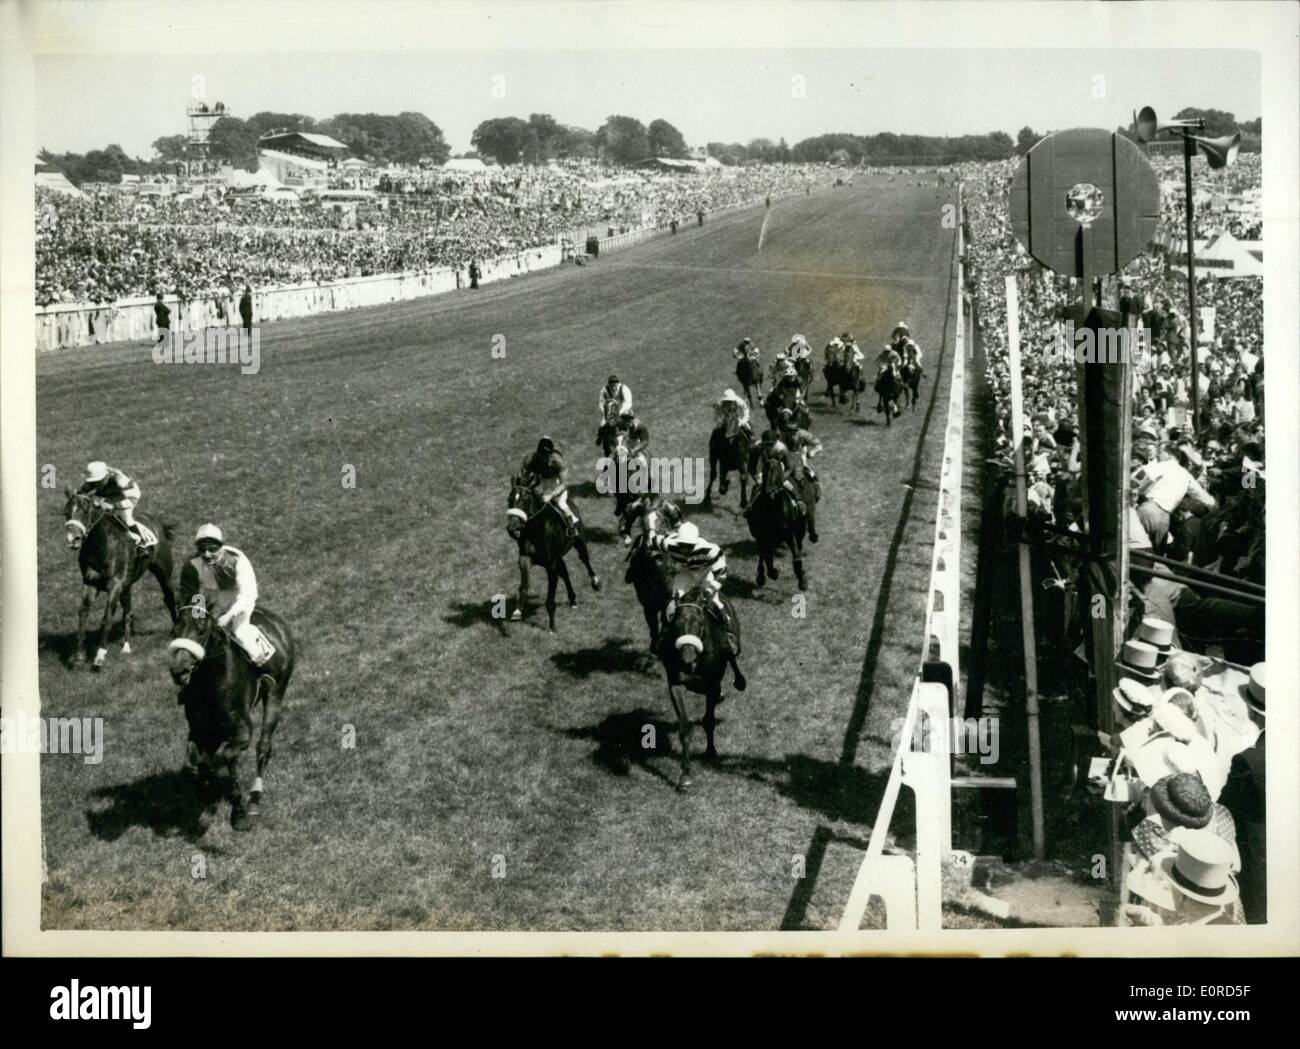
{"x": 58, "y": 182}
{"x": 1225, "y": 256}
{"x": 464, "y": 164}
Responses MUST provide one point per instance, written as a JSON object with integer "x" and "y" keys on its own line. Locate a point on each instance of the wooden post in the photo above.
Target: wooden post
{"x": 1026, "y": 576}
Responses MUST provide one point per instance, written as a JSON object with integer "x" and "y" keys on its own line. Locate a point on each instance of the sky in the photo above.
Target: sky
{"x": 88, "y": 101}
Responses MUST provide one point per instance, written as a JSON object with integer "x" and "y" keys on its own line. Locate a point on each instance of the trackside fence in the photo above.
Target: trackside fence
{"x": 911, "y": 888}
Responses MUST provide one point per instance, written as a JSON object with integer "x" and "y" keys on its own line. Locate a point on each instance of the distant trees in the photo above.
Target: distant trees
{"x": 623, "y": 140}
{"x": 665, "y": 140}
{"x": 170, "y": 148}
{"x": 889, "y": 148}
{"x": 502, "y": 138}
{"x": 1026, "y": 139}
{"x": 101, "y": 165}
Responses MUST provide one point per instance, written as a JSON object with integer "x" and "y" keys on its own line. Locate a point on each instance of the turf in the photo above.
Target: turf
{"x": 478, "y": 739}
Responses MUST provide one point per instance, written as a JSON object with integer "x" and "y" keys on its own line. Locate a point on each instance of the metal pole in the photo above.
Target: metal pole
{"x": 1189, "y": 150}
{"x": 1026, "y": 577}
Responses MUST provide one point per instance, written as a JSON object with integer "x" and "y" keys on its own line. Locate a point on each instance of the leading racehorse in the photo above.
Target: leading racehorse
{"x": 111, "y": 562}
{"x": 911, "y": 383}
{"x": 750, "y": 375}
{"x": 888, "y": 388}
{"x": 775, "y": 521}
{"x": 544, "y": 538}
{"x": 729, "y": 448}
{"x": 695, "y": 660}
{"x": 220, "y": 689}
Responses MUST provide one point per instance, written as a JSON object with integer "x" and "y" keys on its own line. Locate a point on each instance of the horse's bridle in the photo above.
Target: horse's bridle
{"x": 94, "y": 514}
{"x": 198, "y": 609}
{"x": 693, "y": 640}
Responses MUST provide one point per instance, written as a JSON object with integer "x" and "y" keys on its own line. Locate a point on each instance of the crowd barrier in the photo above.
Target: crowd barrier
{"x": 922, "y": 761}
{"x": 62, "y": 326}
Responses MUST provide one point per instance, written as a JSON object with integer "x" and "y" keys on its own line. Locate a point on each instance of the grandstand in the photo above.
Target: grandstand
{"x": 299, "y": 159}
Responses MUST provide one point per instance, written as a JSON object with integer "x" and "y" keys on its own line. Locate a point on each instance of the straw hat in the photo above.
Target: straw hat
{"x": 1134, "y": 699}
{"x": 1182, "y": 801}
{"x": 1201, "y": 868}
{"x": 1253, "y": 691}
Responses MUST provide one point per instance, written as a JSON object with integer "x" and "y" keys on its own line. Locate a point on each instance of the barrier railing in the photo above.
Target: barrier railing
{"x": 63, "y": 326}
{"x": 922, "y": 760}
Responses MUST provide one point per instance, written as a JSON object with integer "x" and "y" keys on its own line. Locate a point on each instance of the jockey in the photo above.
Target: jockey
{"x": 888, "y": 358}
{"x": 615, "y": 400}
{"x": 648, "y": 510}
{"x": 911, "y": 353}
{"x": 853, "y": 356}
{"x": 901, "y": 334}
{"x": 799, "y": 350}
{"x": 224, "y": 576}
{"x": 731, "y": 405}
{"x": 637, "y": 434}
{"x": 834, "y": 352}
{"x": 803, "y": 445}
{"x": 747, "y": 351}
{"x": 112, "y": 489}
{"x": 544, "y": 471}
{"x": 772, "y": 449}
{"x": 782, "y": 368}
{"x": 699, "y": 561}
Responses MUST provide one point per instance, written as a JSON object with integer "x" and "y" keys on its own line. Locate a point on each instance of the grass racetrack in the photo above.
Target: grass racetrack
{"x": 475, "y": 738}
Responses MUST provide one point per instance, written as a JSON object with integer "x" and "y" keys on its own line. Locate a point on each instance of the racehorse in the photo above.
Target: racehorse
{"x": 785, "y": 394}
{"x": 220, "y": 689}
{"x": 695, "y": 660}
{"x": 911, "y": 383}
{"x": 836, "y": 383}
{"x": 750, "y": 375}
{"x": 649, "y": 574}
{"x": 622, "y": 463}
{"x": 111, "y": 562}
{"x": 851, "y": 383}
{"x": 543, "y": 538}
{"x": 804, "y": 369}
{"x": 605, "y": 434}
{"x": 774, "y": 522}
{"x": 888, "y": 387}
{"x": 729, "y": 448}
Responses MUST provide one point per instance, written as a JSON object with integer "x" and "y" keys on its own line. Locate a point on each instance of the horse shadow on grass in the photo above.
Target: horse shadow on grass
{"x": 621, "y": 743}
{"x": 63, "y": 645}
{"x": 618, "y": 655}
{"x": 167, "y": 803}
{"x": 475, "y": 613}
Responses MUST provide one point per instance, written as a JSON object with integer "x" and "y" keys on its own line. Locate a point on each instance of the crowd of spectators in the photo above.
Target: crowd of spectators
{"x": 1197, "y": 499}
{"x": 109, "y": 247}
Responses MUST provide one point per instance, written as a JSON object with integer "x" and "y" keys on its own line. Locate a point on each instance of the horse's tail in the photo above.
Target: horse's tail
{"x": 169, "y": 530}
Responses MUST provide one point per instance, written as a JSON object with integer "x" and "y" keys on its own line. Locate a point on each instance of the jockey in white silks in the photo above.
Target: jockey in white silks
{"x": 111, "y": 489}
{"x": 834, "y": 352}
{"x": 697, "y": 562}
{"x": 853, "y": 356}
{"x": 799, "y": 350}
{"x": 782, "y": 366}
{"x": 617, "y": 394}
{"x": 747, "y": 351}
{"x": 888, "y": 358}
{"x": 731, "y": 405}
{"x": 224, "y": 576}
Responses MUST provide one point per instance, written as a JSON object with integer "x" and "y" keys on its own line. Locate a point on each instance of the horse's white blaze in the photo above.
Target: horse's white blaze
{"x": 70, "y": 525}
{"x": 192, "y": 647}
{"x": 257, "y": 785}
{"x": 126, "y": 648}
{"x": 689, "y": 639}
{"x": 514, "y": 511}
{"x": 101, "y": 654}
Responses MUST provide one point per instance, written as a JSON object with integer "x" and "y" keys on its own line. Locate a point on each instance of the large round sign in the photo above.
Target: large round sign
{"x": 1085, "y": 178}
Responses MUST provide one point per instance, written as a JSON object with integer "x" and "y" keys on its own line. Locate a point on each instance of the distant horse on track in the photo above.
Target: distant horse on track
{"x": 220, "y": 689}
{"x": 543, "y": 538}
{"x": 729, "y": 449}
{"x": 888, "y": 390}
{"x": 111, "y": 562}
{"x": 694, "y": 658}
{"x": 911, "y": 383}
{"x": 750, "y": 375}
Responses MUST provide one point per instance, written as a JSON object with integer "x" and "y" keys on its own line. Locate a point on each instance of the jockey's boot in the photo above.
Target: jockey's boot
{"x": 730, "y": 642}
{"x": 561, "y": 502}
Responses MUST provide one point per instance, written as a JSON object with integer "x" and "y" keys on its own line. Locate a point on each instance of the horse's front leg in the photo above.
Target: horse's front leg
{"x": 229, "y": 755}
{"x": 762, "y": 565}
{"x": 563, "y": 570}
{"x": 796, "y": 555}
{"x": 552, "y": 581}
{"x": 523, "y": 587}
{"x": 580, "y": 544}
{"x": 87, "y": 596}
{"x": 101, "y": 651}
{"x": 678, "y": 696}
{"x": 127, "y": 620}
{"x": 710, "y": 722}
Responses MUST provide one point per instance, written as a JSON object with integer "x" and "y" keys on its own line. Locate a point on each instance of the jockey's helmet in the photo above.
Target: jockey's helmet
{"x": 901, "y": 326}
{"x": 545, "y": 446}
{"x": 208, "y": 535}
{"x": 744, "y": 344}
{"x": 688, "y": 532}
{"x": 769, "y": 437}
{"x": 96, "y": 472}
{"x": 612, "y": 381}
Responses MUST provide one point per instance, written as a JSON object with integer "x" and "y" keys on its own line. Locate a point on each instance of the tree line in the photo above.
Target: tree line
{"x": 411, "y": 138}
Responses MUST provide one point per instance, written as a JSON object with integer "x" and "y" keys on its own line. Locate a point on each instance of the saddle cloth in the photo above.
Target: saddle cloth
{"x": 255, "y": 644}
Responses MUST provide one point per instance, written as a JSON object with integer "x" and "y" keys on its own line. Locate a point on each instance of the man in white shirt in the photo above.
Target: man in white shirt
{"x": 1161, "y": 488}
